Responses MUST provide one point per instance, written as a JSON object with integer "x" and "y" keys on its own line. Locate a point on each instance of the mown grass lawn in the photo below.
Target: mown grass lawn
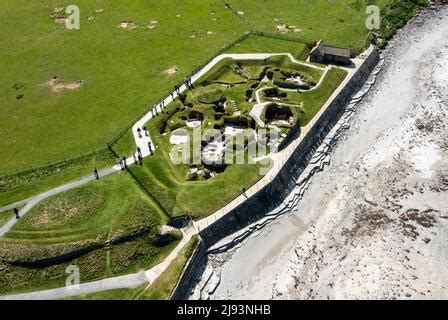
{"x": 158, "y": 290}
{"x": 123, "y": 70}
{"x": 114, "y": 204}
{"x": 113, "y": 209}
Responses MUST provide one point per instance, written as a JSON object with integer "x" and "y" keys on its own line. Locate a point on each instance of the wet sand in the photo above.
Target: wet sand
{"x": 374, "y": 223}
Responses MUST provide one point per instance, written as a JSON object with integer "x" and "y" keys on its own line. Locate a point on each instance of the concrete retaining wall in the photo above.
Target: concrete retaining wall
{"x": 271, "y": 196}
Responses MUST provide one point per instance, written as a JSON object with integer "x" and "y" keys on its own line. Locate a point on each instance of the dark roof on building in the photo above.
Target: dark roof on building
{"x": 324, "y": 49}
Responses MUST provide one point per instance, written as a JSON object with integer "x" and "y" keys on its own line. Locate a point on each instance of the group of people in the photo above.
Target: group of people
{"x": 123, "y": 162}
{"x": 187, "y": 82}
{"x": 139, "y": 131}
{"x": 138, "y": 158}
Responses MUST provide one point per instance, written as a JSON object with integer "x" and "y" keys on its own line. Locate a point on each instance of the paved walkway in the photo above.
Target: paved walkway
{"x": 129, "y": 281}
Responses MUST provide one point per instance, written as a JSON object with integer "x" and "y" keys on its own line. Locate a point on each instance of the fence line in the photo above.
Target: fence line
{"x": 33, "y": 168}
{"x": 122, "y": 132}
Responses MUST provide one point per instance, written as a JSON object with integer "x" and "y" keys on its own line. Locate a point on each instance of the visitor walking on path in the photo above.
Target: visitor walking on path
{"x": 139, "y": 132}
{"x": 139, "y": 152}
{"x": 140, "y": 159}
{"x": 125, "y": 164}
{"x": 95, "y": 173}
{"x": 120, "y": 162}
{"x": 145, "y": 129}
{"x": 134, "y": 157}
{"x": 149, "y": 147}
{"x": 16, "y": 212}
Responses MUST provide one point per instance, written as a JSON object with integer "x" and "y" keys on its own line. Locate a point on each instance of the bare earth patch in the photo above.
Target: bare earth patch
{"x": 60, "y": 20}
{"x": 171, "y": 71}
{"x": 127, "y": 25}
{"x": 152, "y": 24}
{"x": 57, "y": 84}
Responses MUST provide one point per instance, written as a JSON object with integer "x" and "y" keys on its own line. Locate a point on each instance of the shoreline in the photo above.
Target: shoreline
{"x": 269, "y": 262}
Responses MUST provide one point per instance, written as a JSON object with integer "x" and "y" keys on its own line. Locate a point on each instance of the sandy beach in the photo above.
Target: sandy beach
{"x": 374, "y": 223}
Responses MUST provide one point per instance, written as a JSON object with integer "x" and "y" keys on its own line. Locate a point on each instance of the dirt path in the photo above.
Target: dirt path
{"x": 374, "y": 224}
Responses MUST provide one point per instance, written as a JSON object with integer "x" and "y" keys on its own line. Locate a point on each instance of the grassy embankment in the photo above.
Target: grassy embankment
{"x": 112, "y": 219}
{"x": 159, "y": 290}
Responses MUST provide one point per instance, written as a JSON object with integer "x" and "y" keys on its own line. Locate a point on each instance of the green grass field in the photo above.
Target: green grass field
{"x": 113, "y": 209}
{"x": 112, "y": 205}
{"x": 124, "y": 70}
{"x": 159, "y": 290}
{"x": 340, "y": 23}
{"x": 259, "y": 44}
